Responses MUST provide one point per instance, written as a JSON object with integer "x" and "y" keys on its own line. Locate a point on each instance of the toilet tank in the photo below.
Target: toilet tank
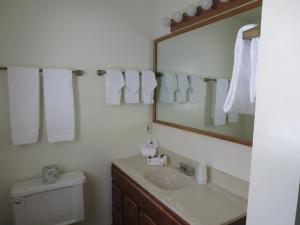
{"x": 35, "y": 203}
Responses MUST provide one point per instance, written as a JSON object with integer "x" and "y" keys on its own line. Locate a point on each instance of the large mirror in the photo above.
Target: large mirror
{"x": 206, "y": 52}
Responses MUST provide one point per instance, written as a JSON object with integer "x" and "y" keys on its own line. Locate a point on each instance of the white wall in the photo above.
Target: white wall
{"x": 228, "y": 157}
{"x": 89, "y": 35}
{"x": 275, "y": 170}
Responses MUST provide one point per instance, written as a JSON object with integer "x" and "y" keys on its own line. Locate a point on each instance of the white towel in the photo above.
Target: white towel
{"x": 24, "y": 104}
{"x": 233, "y": 117}
{"x": 220, "y": 97}
{"x": 183, "y": 86}
{"x": 114, "y": 82}
{"x": 149, "y": 83}
{"x": 253, "y": 58}
{"x": 132, "y": 80}
{"x": 194, "y": 92}
{"x": 168, "y": 88}
{"x": 59, "y": 105}
{"x": 238, "y": 98}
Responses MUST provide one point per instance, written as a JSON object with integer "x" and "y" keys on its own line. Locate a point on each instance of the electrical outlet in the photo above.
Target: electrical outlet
{"x": 149, "y": 128}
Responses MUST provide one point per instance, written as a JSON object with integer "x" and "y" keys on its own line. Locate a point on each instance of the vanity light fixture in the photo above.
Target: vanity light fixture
{"x": 177, "y": 17}
{"x": 167, "y": 22}
{"x": 206, "y": 4}
{"x": 191, "y": 10}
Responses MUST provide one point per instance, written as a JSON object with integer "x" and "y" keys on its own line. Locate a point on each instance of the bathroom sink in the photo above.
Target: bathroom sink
{"x": 169, "y": 179}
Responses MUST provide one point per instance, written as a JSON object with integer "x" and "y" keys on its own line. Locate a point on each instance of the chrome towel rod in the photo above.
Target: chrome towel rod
{"x": 158, "y": 74}
{"x": 76, "y": 72}
{"x": 103, "y": 72}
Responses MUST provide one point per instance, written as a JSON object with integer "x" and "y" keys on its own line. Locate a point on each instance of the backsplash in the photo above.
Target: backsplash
{"x": 226, "y": 181}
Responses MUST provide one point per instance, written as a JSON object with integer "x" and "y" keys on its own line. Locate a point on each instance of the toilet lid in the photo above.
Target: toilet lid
{"x": 34, "y": 186}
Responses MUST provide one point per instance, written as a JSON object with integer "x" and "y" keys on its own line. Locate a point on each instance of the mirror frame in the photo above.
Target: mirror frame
{"x": 203, "y": 22}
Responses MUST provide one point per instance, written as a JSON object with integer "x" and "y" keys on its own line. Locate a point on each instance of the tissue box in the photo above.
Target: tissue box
{"x": 50, "y": 174}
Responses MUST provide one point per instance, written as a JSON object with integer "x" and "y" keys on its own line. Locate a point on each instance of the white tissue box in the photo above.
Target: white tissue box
{"x": 158, "y": 161}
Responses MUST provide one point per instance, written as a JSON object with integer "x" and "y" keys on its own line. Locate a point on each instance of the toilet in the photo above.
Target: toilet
{"x": 35, "y": 203}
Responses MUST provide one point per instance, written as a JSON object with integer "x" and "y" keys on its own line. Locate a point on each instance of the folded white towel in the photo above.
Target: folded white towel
{"x": 238, "y": 98}
{"x": 195, "y": 89}
{"x": 24, "y": 104}
{"x": 233, "y": 118}
{"x": 149, "y": 83}
{"x": 183, "y": 86}
{"x": 253, "y": 58}
{"x": 59, "y": 105}
{"x": 132, "y": 87}
{"x": 114, "y": 82}
{"x": 220, "y": 97}
{"x": 168, "y": 88}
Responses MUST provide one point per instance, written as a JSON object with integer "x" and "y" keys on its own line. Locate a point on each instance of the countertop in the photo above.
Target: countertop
{"x": 205, "y": 204}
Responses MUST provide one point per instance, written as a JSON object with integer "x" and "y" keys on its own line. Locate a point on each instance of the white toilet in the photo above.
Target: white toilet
{"x": 35, "y": 203}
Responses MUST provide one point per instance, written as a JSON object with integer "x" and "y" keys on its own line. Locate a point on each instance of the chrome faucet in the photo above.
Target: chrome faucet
{"x": 186, "y": 169}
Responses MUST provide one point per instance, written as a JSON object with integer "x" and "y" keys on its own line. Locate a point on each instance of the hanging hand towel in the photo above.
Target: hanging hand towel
{"x": 132, "y": 87}
{"x": 168, "y": 88}
{"x": 194, "y": 92}
{"x": 59, "y": 105}
{"x": 114, "y": 82}
{"x": 253, "y": 58}
{"x": 183, "y": 86}
{"x": 220, "y": 97}
{"x": 233, "y": 117}
{"x": 24, "y": 104}
{"x": 148, "y": 85}
{"x": 238, "y": 98}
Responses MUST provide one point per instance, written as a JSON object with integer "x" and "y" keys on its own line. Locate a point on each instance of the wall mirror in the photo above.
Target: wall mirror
{"x": 207, "y": 51}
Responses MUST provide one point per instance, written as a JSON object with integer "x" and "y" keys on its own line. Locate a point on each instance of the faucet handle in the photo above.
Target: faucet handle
{"x": 179, "y": 164}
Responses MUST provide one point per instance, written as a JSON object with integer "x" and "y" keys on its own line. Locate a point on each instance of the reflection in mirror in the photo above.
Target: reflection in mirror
{"x": 197, "y": 68}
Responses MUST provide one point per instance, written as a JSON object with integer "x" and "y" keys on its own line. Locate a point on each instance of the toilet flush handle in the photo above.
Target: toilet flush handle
{"x": 15, "y": 201}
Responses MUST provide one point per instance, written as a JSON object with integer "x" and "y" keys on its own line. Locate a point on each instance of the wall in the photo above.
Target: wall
{"x": 275, "y": 170}
{"x": 228, "y": 157}
{"x": 89, "y": 35}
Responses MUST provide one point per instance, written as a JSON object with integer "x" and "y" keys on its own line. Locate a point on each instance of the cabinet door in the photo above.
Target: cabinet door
{"x": 146, "y": 220}
{"x": 117, "y": 217}
{"x": 131, "y": 212}
{"x": 116, "y": 196}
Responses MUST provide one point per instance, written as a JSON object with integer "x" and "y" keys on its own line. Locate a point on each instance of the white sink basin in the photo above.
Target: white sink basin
{"x": 169, "y": 179}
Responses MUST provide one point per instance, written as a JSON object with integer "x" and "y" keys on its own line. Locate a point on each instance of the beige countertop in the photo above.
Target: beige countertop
{"x": 205, "y": 204}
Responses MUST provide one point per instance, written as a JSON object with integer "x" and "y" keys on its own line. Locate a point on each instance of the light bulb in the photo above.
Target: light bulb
{"x": 206, "y": 4}
{"x": 191, "y": 10}
{"x": 167, "y": 22}
{"x": 177, "y": 16}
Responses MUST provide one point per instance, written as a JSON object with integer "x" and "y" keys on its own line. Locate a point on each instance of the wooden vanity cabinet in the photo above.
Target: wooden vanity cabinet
{"x": 133, "y": 205}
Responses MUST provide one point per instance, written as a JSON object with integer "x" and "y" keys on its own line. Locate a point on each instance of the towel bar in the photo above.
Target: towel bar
{"x": 103, "y": 72}
{"x": 76, "y": 72}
